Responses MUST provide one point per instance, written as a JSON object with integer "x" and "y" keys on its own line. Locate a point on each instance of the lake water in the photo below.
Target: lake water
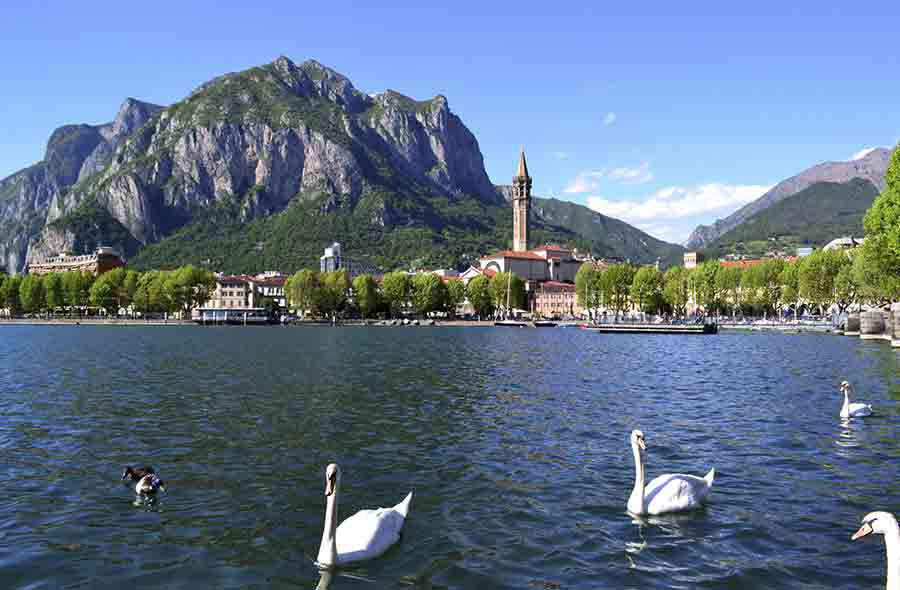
{"x": 514, "y": 440}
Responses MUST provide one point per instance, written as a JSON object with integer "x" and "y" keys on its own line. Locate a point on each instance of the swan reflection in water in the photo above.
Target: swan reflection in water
{"x": 325, "y": 580}
{"x": 669, "y": 523}
{"x": 847, "y": 437}
{"x": 327, "y": 577}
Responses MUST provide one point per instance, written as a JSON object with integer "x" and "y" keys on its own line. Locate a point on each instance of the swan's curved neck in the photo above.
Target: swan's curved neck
{"x": 846, "y": 407}
{"x": 638, "y": 474}
{"x": 328, "y": 547}
{"x": 892, "y": 546}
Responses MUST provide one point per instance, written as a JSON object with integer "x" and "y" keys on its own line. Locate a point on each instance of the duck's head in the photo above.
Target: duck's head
{"x": 637, "y": 440}
{"x": 332, "y": 477}
{"x": 128, "y": 473}
{"x": 875, "y": 522}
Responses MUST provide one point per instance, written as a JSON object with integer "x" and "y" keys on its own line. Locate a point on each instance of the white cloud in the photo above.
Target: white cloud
{"x": 609, "y": 119}
{"x": 560, "y": 155}
{"x": 671, "y": 213}
{"x": 585, "y": 182}
{"x": 678, "y": 202}
{"x": 638, "y": 175}
{"x": 862, "y": 153}
{"x": 589, "y": 180}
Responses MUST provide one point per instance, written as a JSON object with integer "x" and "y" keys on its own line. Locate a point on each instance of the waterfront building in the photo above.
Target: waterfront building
{"x": 333, "y": 260}
{"x": 692, "y": 259}
{"x": 845, "y": 243}
{"x": 245, "y": 292}
{"x": 103, "y": 259}
{"x": 554, "y": 299}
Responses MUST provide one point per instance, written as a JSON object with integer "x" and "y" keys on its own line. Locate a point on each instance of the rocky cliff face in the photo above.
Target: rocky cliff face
{"x": 872, "y": 168}
{"x": 32, "y": 197}
{"x": 259, "y": 139}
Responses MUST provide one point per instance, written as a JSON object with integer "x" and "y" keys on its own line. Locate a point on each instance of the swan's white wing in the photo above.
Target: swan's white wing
{"x": 368, "y": 534}
{"x": 857, "y": 409}
{"x": 674, "y": 492}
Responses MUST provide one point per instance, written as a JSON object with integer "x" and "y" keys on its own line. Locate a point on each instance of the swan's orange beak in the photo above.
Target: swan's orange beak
{"x": 642, "y": 444}
{"x": 329, "y": 485}
{"x": 864, "y": 530}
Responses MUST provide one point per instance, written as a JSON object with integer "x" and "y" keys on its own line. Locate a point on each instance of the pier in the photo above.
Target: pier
{"x": 652, "y": 328}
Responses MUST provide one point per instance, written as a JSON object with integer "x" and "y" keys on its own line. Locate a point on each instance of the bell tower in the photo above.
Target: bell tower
{"x": 521, "y": 205}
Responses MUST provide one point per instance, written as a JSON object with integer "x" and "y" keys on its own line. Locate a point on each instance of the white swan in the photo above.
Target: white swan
{"x": 365, "y": 535}
{"x": 854, "y": 410}
{"x": 672, "y": 492}
{"x": 885, "y": 524}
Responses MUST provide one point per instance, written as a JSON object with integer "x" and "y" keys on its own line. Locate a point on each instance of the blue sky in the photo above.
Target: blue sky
{"x": 664, "y": 115}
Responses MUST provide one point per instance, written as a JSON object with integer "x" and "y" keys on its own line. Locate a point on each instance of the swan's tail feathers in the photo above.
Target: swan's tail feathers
{"x": 403, "y": 507}
{"x": 709, "y": 477}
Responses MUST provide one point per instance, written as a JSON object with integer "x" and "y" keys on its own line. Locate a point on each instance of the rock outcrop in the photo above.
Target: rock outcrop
{"x": 260, "y": 138}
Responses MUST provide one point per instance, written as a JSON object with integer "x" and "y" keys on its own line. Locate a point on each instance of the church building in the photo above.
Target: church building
{"x": 548, "y": 270}
{"x": 544, "y": 263}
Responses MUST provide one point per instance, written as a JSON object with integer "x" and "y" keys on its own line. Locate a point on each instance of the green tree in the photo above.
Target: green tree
{"x": 31, "y": 294}
{"x": 867, "y": 278}
{"x": 728, "y": 285}
{"x": 587, "y": 287}
{"x": 764, "y": 280}
{"x": 676, "y": 289}
{"x": 335, "y": 292}
{"x": 647, "y": 288}
{"x": 818, "y": 274}
{"x": 365, "y": 291}
{"x": 881, "y": 249}
{"x": 615, "y": 284}
{"x": 128, "y": 288}
{"x": 478, "y": 292}
{"x": 706, "y": 287}
{"x": 507, "y": 291}
{"x": 396, "y": 288}
{"x": 845, "y": 288}
{"x": 456, "y": 295}
{"x": 104, "y": 294}
{"x": 53, "y": 291}
{"x": 11, "y": 299}
{"x": 429, "y": 293}
{"x": 303, "y": 291}
{"x": 790, "y": 285}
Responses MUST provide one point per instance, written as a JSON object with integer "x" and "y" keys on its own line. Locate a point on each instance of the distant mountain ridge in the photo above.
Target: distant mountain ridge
{"x": 871, "y": 167}
{"x": 261, "y": 168}
{"x": 812, "y": 217}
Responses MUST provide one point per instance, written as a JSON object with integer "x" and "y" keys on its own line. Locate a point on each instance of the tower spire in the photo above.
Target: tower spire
{"x": 523, "y": 167}
{"x": 521, "y": 204}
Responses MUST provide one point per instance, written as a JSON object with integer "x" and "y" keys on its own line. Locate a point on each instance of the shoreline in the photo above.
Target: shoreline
{"x": 93, "y": 322}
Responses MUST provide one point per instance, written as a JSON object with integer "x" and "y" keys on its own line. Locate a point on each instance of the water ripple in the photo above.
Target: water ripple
{"x": 515, "y": 442}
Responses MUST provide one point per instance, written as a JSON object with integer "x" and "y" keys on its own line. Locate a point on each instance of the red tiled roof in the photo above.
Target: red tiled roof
{"x": 551, "y": 248}
{"x": 752, "y": 262}
{"x": 512, "y": 254}
{"x": 559, "y": 285}
{"x": 489, "y": 272}
{"x": 271, "y": 282}
{"x": 235, "y": 279}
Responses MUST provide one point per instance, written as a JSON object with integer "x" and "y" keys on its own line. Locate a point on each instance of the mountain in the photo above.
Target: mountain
{"x": 260, "y": 169}
{"x": 871, "y": 167}
{"x": 812, "y": 217}
{"x": 74, "y": 152}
